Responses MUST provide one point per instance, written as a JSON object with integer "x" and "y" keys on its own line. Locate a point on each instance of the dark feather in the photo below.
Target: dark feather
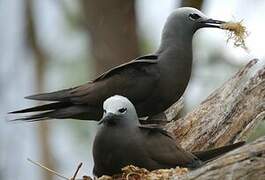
{"x": 61, "y": 95}
{"x": 65, "y": 94}
{"x": 36, "y": 117}
{"x": 214, "y": 153}
{"x": 147, "y": 57}
{"x": 45, "y": 107}
{"x": 116, "y": 69}
{"x": 92, "y": 94}
{"x": 155, "y": 128}
{"x": 78, "y": 112}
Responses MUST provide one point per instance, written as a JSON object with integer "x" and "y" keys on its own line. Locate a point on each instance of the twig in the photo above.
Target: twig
{"x": 51, "y": 171}
{"x": 75, "y": 174}
{"x": 132, "y": 173}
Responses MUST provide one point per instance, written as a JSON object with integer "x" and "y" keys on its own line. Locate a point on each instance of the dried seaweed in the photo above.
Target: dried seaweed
{"x": 236, "y": 32}
{"x": 135, "y": 173}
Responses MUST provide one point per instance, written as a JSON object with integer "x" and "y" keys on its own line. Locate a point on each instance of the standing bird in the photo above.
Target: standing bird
{"x": 122, "y": 141}
{"x": 152, "y": 82}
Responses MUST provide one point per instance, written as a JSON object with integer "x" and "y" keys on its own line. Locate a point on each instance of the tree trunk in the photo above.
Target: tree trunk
{"x": 247, "y": 162}
{"x": 40, "y": 61}
{"x": 112, "y": 29}
{"x": 226, "y": 116}
{"x": 192, "y": 3}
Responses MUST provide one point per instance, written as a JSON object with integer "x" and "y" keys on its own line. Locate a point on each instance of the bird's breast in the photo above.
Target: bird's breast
{"x": 115, "y": 148}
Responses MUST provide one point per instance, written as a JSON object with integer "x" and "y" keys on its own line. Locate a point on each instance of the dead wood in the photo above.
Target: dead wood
{"x": 247, "y": 162}
{"x": 228, "y": 115}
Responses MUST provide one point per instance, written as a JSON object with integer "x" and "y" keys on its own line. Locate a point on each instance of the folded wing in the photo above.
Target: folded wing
{"x": 163, "y": 149}
{"x": 134, "y": 80}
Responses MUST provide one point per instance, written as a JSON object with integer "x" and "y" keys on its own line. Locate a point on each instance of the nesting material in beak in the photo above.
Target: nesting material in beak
{"x": 237, "y": 33}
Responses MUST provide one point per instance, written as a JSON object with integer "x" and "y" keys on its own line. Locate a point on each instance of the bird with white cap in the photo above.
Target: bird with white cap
{"x": 122, "y": 141}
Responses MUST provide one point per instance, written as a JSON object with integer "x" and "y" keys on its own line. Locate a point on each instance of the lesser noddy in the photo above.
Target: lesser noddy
{"x": 121, "y": 140}
{"x": 152, "y": 82}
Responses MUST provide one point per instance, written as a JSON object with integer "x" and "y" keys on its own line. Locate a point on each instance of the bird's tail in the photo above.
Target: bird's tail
{"x": 61, "y": 95}
{"x": 214, "y": 153}
{"x": 58, "y": 110}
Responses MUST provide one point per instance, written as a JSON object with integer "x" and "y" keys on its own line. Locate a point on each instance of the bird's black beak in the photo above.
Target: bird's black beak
{"x": 210, "y": 23}
{"x": 108, "y": 118}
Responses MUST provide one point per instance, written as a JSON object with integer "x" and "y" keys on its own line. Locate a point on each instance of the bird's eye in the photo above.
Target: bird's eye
{"x": 104, "y": 111}
{"x": 194, "y": 16}
{"x": 122, "y": 110}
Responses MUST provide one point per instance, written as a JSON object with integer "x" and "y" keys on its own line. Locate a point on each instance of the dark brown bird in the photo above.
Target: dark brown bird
{"x": 122, "y": 141}
{"x": 152, "y": 82}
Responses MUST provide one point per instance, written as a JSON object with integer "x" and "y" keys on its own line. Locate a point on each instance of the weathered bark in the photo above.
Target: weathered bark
{"x": 226, "y": 116}
{"x": 247, "y": 162}
{"x": 173, "y": 112}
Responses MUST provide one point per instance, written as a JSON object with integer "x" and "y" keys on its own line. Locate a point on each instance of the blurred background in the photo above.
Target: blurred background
{"x": 54, "y": 44}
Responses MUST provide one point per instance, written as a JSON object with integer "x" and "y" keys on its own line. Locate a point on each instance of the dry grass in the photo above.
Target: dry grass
{"x": 135, "y": 173}
{"x": 236, "y": 32}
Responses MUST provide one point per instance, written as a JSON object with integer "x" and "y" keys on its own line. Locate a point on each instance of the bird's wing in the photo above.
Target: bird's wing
{"x": 163, "y": 149}
{"x": 155, "y": 127}
{"x": 143, "y": 59}
{"x": 214, "y": 153}
{"x": 147, "y": 57}
{"x": 135, "y": 80}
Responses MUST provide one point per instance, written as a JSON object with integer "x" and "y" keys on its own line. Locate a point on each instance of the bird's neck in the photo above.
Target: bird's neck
{"x": 115, "y": 131}
{"x": 176, "y": 51}
{"x": 180, "y": 41}
{"x": 175, "y": 59}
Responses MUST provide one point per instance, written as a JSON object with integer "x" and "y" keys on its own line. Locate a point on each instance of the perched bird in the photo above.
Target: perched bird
{"x": 152, "y": 82}
{"x": 121, "y": 141}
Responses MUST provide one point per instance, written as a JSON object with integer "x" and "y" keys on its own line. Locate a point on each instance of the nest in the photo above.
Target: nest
{"x": 236, "y": 32}
{"x": 135, "y": 173}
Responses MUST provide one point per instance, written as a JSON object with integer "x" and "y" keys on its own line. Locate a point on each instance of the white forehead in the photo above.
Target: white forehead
{"x": 117, "y": 102}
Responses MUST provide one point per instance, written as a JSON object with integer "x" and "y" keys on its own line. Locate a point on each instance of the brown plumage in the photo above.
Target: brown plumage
{"x": 153, "y": 82}
{"x": 122, "y": 141}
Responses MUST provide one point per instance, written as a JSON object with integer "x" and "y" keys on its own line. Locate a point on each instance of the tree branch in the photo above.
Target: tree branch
{"x": 227, "y": 115}
{"x": 247, "y": 162}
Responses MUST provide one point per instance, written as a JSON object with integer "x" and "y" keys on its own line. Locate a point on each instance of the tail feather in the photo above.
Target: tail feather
{"x": 46, "y": 107}
{"x": 62, "y": 95}
{"x": 76, "y": 112}
{"x": 214, "y": 153}
{"x": 35, "y": 117}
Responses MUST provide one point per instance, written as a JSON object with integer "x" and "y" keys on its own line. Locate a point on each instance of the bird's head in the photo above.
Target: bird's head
{"x": 183, "y": 22}
{"x": 192, "y": 19}
{"x": 119, "y": 110}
